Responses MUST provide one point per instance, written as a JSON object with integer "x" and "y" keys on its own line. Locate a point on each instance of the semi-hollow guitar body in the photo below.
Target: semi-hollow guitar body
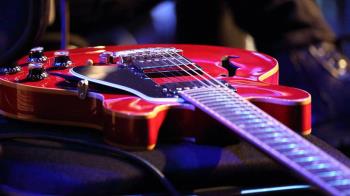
{"x": 133, "y": 93}
{"x": 129, "y": 120}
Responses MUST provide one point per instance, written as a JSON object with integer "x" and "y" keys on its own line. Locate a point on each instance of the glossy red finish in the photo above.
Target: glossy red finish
{"x": 130, "y": 121}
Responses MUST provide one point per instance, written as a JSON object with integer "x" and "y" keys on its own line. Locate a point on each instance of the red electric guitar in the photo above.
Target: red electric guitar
{"x": 131, "y": 92}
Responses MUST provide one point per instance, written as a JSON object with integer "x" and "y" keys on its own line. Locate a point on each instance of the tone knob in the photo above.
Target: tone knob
{"x": 62, "y": 59}
{"x": 36, "y": 55}
{"x": 36, "y": 72}
{"x": 106, "y": 57}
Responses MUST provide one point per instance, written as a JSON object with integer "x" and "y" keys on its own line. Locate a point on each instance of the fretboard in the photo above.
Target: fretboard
{"x": 272, "y": 137}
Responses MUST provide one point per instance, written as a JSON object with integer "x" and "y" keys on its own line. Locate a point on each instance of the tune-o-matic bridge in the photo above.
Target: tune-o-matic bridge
{"x": 157, "y": 62}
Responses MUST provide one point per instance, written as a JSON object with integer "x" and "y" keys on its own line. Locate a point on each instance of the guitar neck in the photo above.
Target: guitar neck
{"x": 272, "y": 137}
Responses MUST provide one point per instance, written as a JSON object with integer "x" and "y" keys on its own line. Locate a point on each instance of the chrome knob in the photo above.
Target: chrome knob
{"x": 36, "y": 72}
{"x": 10, "y": 69}
{"x": 62, "y": 60}
{"x": 36, "y": 55}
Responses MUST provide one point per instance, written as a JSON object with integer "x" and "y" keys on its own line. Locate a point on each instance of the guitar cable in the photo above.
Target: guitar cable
{"x": 114, "y": 152}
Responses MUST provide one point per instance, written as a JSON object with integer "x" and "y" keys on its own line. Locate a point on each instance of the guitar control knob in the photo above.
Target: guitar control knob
{"x": 36, "y": 72}
{"x": 62, "y": 60}
{"x": 10, "y": 69}
{"x": 106, "y": 57}
{"x": 36, "y": 55}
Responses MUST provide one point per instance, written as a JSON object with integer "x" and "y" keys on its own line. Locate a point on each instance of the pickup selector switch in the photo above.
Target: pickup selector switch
{"x": 36, "y": 72}
{"x": 36, "y": 55}
{"x": 62, "y": 60}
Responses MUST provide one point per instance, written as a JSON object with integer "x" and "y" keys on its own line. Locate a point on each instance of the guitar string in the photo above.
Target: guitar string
{"x": 176, "y": 65}
{"x": 321, "y": 153}
{"x": 228, "y": 93}
{"x": 194, "y": 72}
{"x": 172, "y": 73}
{"x": 211, "y": 82}
{"x": 198, "y": 74}
{"x": 184, "y": 70}
{"x": 224, "y": 90}
{"x": 187, "y": 72}
{"x": 170, "y": 79}
{"x": 164, "y": 58}
{"x": 165, "y": 77}
{"x": 209, "y": 76}
{"x": 221, "y": 88}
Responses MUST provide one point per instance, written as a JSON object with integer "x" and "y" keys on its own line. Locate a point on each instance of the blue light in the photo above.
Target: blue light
{"x": 273, "y": 189}
{"x": 164, "y": 18}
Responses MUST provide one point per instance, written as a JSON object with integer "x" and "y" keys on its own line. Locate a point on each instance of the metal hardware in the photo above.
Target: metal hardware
{"x": 36, "y": 55}
{"x": 10, "y": 69}
{"x": 89, "y": 62}
{"x": 83, "y": 86}
{"x": 62, "y": 60}
{"x": 36, "y": 72}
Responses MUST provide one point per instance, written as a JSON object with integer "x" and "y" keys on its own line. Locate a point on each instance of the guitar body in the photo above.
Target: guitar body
{"x": 128, "y": 120}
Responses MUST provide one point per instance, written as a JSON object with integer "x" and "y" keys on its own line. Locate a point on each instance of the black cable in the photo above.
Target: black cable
{"x": 128, "y": 156}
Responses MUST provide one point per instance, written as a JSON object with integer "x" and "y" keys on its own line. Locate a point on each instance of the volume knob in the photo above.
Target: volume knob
{"x": 36, "y": 55}
{"x": 62, "y": 60}
{"x": 36, "y": 72}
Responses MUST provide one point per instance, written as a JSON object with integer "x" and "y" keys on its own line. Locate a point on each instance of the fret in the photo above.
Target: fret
{"x": 274, "y": 141}
{"x": 329, "y": 174}
{"x": 272, "y": 137}
{"x": 237, "y": 115}
{"x": 303, "y": 153}
{"x": 340, "y": 182}
{"x": 285, "y": 146}
{"x": 307, "y": 153}
{"x": 261, "y": 125}
{"x": 307, "y": 159}
{"x": 322, "y": 167}
{"x": 220, "y": 105}
{"x": 318, "y": 166}
{"x": 201, "y": 92}
{"x": 250, "y": 121}
{"x": 216, "y": 99}
{"x": 264, "y": 130}
{"x": 242, "y": 112}
{"x": 203, "y": 96}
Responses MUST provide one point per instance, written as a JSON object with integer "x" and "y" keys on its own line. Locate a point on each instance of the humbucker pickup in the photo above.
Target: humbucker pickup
{"x": 158, "y": 62}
